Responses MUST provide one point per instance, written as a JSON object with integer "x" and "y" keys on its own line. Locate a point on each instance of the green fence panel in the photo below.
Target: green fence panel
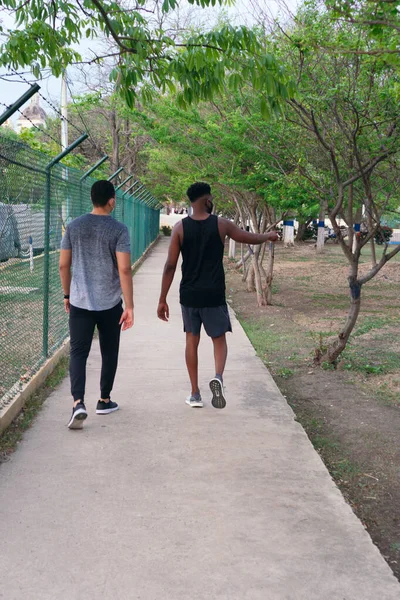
{"x": 33, "y": 323}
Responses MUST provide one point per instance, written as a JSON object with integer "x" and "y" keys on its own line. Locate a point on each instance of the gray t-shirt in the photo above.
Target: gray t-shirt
{"x": 94, "y": 241}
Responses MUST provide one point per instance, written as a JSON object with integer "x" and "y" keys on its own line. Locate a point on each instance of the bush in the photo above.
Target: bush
{"x": 167, "y": 230}
{"x": 383, "y": 234}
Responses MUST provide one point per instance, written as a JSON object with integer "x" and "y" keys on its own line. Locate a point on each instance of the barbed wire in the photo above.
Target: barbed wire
{"x": 34, "y": 125}
{"x": 57, "y": 110}
{"x": 91, "y": 140}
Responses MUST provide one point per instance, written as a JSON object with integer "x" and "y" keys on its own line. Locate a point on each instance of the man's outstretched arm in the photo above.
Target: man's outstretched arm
{"x": 169, "y": 272}
{"x": 246, "y": 237}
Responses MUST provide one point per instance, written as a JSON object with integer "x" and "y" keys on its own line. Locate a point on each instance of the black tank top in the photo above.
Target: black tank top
{"x": 203, "y": 277}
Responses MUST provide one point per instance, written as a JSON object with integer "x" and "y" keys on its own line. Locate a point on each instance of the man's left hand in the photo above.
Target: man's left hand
{"x": 66, "y": 305}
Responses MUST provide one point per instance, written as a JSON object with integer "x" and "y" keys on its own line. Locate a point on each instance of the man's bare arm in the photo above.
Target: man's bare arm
{"x": 246, "y": 237}
{"x": 125, "y": 277}
{"x": 169, "y": 271}
{"x": 65, "y": 273}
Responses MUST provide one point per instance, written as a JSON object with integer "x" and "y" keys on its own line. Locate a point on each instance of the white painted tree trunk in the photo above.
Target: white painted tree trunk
{"x": 321, "y": 236}
{"x": 357, "y": 228}
{"x": 232, "y": 249}
{"x": 288, "y": 233}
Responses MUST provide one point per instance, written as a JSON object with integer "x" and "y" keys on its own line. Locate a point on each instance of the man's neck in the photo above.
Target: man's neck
{"x": 99, "y": 210}
{"x": 200, "y": 214}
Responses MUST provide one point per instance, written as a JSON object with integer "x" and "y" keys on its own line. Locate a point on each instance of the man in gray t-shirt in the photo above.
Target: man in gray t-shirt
{"x": 97, "y": 247}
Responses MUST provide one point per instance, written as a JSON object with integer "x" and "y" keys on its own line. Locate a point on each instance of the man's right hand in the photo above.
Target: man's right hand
{"x": 272, "y": 236}
{"x": 127, "y": 319}
{"x": 163, "y": 311}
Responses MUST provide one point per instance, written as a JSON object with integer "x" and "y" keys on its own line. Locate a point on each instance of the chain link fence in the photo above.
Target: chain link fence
{"x": 35, "y": 207}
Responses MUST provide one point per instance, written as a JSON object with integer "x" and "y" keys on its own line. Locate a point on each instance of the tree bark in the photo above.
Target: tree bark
{"x": 301, "y": 230}
{"x": 334, "y": 350}
{"x": 270, "y": 273}
{"x": 250, "y": 278}
{"x": 321, "y": 230}
{"x": 232, "y": 249}
{"x": 260, "y": 291}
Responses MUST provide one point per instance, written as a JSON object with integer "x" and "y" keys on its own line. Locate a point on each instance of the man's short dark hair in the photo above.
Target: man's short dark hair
{"x": 102, "y": 191}
{"x": 197, "y": 190}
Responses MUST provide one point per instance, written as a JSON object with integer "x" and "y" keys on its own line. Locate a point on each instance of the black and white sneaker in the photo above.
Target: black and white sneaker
{"x": 217, "y": 390}
{"x": 105, "y": 408}
{"x": 78, "y": 416}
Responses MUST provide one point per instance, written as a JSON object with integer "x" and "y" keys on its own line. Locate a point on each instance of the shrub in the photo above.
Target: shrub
{"x": 167, "y": 230}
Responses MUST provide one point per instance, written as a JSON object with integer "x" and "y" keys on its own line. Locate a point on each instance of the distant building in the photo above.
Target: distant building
{"x": 32, "y": 115}
{"x": 9, "y": 124}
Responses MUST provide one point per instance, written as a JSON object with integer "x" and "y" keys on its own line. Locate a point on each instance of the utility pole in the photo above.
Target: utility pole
{"x": 66, "y": 206}
{"x": 64, "y": 111}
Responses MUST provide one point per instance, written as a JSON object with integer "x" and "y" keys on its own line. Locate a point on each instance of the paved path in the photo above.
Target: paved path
{"x": 162, "y": 502}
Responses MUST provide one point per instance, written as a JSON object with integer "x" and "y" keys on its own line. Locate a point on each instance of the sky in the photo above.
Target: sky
{"x": 14, "y": 87}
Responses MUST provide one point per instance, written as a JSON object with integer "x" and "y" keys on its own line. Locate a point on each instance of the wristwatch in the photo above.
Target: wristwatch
{"x": 66, "y": 296}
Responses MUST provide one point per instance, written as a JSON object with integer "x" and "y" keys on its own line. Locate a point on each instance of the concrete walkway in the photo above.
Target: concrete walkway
{"x": 162, "y": 502}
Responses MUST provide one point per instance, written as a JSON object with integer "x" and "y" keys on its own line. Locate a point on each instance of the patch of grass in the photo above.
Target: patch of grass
{"x": 395, "y": 546}
{"x": 370, "y": 323}
{"x": 11, "y": 437}
{"x": 384, "y": 394}
{"x": 370, "y": 361}
{"x": 345, "y": 469}
{"x": 327, "y": 366}
{"x": 321, "y": 442}
{"x": 298, "y": 258}
{"x": 285, "y": 373}
{"x": 268, "y": 338}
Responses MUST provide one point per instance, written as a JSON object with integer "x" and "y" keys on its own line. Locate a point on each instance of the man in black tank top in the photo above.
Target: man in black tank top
{"x": 200, "y": 238}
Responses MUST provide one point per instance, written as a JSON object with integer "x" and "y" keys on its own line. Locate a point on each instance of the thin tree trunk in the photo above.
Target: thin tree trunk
{"x": 321, "y": 230}
{"x": 270, "y": 272}
{"x": 232, "y": 249}
{"x": 373, "y": 252}
{"x": 334, "y": 350}
{"x": 250, "y": 278}
{"x": 301, "y": 230}
{"x": 261, "y": 296}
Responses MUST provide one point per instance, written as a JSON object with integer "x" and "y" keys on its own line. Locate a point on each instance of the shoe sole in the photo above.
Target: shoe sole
{"x": 77, "y": 420}
{"x": 106, "y": 411}
{"x": 194, "y": 404}
{"x": 218, "y": 399}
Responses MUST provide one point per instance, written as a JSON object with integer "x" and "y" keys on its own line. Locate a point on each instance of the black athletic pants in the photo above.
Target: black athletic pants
{"x": 81, "y": 327}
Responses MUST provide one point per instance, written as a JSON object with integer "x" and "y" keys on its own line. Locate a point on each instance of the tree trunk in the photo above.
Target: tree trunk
{"x": 331, "y": 353}
{"x": 115, "y": 128}
{"x": 288, "y": 233}
{"x": 373, "y": 252}
{"x": 356, "y": 229}
{"x": 270, "y": 272}
{"x": 232, "y": 249}
{"x": 261, "y": 295}
{"x": 250, "y": 278}
{"x": 301, "y": 230}
{"x": 321, "y": 228}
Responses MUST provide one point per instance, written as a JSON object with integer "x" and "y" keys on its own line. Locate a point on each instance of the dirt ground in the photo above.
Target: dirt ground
{"x": 351, "y": 414}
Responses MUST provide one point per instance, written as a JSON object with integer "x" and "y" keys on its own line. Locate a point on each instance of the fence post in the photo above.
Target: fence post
{"x": 115, "y": 174}
{"x": 46, "y": 266}
{"x": 20, "y": 102}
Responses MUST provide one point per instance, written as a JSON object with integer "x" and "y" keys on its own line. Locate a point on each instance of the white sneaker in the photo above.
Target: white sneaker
{"x": 194, "y": 402}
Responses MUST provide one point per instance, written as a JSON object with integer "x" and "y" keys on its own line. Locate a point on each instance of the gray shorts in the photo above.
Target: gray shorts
{"x": 215, "y": 319}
